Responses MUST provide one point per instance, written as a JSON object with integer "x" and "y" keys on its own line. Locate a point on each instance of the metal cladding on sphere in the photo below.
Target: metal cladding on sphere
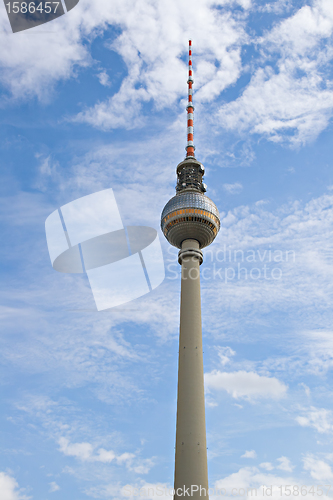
{"x": 190, "y": 215}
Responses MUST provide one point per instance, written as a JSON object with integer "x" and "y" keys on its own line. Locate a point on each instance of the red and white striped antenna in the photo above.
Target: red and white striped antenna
{"x": 190, "y": 108}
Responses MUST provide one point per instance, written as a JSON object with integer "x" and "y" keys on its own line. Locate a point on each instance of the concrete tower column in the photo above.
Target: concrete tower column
{"x": 191, "y": 450}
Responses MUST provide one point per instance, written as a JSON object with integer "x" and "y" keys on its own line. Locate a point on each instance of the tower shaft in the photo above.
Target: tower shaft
{"x": 191, "y": 451}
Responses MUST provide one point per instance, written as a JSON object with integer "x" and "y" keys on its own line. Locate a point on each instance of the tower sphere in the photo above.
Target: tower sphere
{"x": 190, "y": 215}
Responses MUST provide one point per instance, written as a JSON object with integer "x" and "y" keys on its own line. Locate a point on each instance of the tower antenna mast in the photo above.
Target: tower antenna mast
{"x": 190, "y": 148}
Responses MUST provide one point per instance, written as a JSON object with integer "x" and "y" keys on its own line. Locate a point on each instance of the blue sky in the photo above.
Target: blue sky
{"x": 95, "y": 100}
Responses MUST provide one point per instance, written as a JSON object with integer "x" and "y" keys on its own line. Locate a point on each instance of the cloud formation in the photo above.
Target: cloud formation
{"x": 249, "y": 454}
{"x": 290, "y": 95}
{"x": 234, "y": 188}
{"x": 285, "y": 464}
{"x": 86, "y": 452}
{"x": 266, "y": 465}
{"x": 9, "y": 488}
{"x": 319, "y": 470}
{"x": 250, "y": 481}
{"x": 318, "y": 418}
{"x": 248, "y": 385}
{"x": 54, "y": 487}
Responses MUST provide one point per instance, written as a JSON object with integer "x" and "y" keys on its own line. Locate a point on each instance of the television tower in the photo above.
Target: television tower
{"x": 190, "y": 221}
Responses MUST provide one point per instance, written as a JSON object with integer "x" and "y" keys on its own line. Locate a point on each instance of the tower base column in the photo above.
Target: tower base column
{"x": 191, "y": 474}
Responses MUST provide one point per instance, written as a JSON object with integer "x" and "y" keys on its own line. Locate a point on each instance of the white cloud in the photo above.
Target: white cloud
{"x": 285, "y": 464}
{"x": 225, "y": 354}
{"x": 107, "y": 456}
{"x": 121, "y": 111}
{"x": 82, "y": 451}
{"x": 249, "y": 454}
{"x": 85, "y": 452}
{"x": 250, "y": 482}
{"x": 159, "y": 75}
{"x": 294, "y": 101}
{"x": 104, "y": 78}
{"x": 54, "y": 487}
{"x": 306, "y": 389}
{"x": 48, "y": 172}
{"x": 320, "y": 342}
{"x": 9, "y": 488}
{"x": 266, "y": 465}
{"x": 132, "y": 491}
{"x": 33, "y": 61}
{"x": 244, "y": 384}
{"x": 277, "y": 7}
{"x": 235, "y": 188}
{"x": 143, "y": 467}
{"x": 319, "y": 469}
{"x": 318, "y": 418}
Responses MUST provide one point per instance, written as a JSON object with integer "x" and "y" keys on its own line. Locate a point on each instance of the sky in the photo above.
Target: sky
{"x": 96, "y": 100}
